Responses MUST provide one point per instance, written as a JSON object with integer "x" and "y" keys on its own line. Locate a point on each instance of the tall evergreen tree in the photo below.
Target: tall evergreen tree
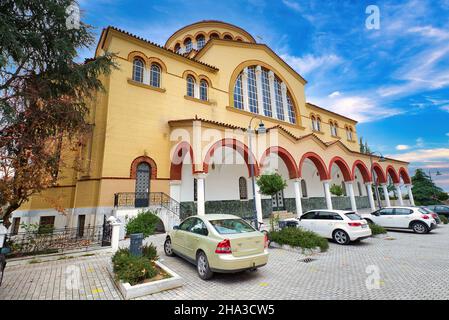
{"x": 425, "y": 192}
{"x": 43, "y": 93}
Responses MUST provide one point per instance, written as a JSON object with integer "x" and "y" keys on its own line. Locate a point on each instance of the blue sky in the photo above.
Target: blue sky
{"x": 394, "y": 80}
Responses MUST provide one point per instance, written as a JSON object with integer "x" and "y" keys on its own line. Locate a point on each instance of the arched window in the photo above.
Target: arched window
{"x": 262, "y": 86}
{"x": 214, "y": 36}
{"x": 188, "y": 44}
{"x": 138, "y": 70}
{"x": 177, "y": 48}
{"x": 252, "y": 90}
{"x": 243, "y": 189}
{"x": 313, "y": 123}
{"x": 291, "y": 110}
{"x": 227, "y": 37}
{"x": 155, "y": 75}
{"x": 266, "y": 93}
{"x": 238, "y": 93}
{"x": 203, "y": 90}
{"x": 349, "y": 133}
{"x": 318, "y": 124}
{"x": 190, "y": 86}
{"x": 200, "y": 41}
{"x": 304, "y": 188}
{"x": 333, "y": 126}
{"x": 343, "y": 187}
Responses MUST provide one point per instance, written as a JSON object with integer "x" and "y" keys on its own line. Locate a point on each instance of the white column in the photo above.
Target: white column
{"x": 200, "y": 192}
{"x": 398, "y": 190}
{"x": 3, "y": 232}
{"x": 259, "y": 90}
{"x": 298, "y": 197}
{"x": 327, "y": 194}
{"x": 410, "y": 194}
{"x": 146, "y": 75}
{"x": 115, "y": 234}
{"x": 272, "y": 94}
{"x": 245, "y": 89}
{"x": 350, "y": 188}
{"x": 175, "y": 190}
{"x": 196, "y": 90}
{"x": 369, "y": 191}
{"x": 386, "y": 195}
{"x": 258, "y": 200}
{"x": 284, "y": 101}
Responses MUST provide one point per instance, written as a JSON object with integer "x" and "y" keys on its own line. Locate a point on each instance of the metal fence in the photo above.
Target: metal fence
{"x": 58, "y": 240}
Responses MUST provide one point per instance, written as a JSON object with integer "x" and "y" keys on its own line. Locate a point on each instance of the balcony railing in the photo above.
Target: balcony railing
{"x": 144, "y": 200}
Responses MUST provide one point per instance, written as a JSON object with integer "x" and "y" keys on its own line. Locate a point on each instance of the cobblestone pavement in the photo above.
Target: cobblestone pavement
{"x": 409, "y": 266}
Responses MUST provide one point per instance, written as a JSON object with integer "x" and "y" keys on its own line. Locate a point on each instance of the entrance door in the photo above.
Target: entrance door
{"x": 278, "y": 201}
{"x": 142, "y": 185}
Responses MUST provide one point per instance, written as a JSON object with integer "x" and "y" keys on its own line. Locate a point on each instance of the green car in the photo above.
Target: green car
{"x": 218, "y": 243}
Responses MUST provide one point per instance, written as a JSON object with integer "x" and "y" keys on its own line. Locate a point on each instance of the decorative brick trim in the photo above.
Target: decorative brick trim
{"x": 145, "y": 159}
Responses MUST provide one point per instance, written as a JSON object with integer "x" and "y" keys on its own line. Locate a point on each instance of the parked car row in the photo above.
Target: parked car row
{"x": 226, "y": 243}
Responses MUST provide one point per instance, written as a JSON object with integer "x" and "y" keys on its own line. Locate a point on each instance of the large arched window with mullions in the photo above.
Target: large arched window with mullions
{"x": 259, "y": 90}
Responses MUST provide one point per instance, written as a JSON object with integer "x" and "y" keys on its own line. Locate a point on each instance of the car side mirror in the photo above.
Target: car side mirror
{"x": 376, "y": 214}
{"x": 175, "y": 227}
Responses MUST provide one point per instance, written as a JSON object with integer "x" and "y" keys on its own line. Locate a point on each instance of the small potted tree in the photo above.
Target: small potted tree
{"x": 336, "y": 190}
{"x": 270, "y": 184}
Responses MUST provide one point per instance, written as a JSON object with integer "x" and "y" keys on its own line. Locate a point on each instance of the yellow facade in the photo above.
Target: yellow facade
{"x": 133, "y": 119}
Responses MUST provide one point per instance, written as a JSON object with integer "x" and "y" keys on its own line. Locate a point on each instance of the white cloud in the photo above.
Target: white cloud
{"x": 309, "y": 62}
{"x": 357, "y": 107}
{"x": 292, "y": 5}
{"x": 445, "y": 108}
{"x": 423, "y": 155}
{"x": 335, "y": 94}
{"x": 402, "y": 147}
{"x": 430, "y": 32}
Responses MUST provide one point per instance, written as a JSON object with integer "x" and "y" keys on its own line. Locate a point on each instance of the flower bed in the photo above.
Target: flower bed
{"x": 138, "y": 276}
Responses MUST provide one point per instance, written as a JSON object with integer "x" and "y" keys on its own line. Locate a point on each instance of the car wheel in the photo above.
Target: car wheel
{"x": 202, "y": 266}
{"x": 419, "y": 227}
{"x": 341, "y": 237}
{"x": 168, "y": 248}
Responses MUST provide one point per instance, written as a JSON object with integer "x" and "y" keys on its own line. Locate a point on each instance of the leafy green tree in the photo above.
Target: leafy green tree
{"x": 425, "y": 192}
{"x": 337, "y": 190}
{"x": 44, "y": 94}
{"x": 270, "y": 184}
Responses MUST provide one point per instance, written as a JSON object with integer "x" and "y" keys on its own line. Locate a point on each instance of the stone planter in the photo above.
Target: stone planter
{"x": 295, "y": 249}
{"x": 129, "y": 292}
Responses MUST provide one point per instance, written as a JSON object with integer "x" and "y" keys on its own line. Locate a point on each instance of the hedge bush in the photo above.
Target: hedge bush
{"x": 444, "y": 219}
{"x": 132, "y": 269}
{"x": 145, "y": 222}
{"x": 297, "y": 237}
{"x": 149, "y": 251}
{"x": 376, "y": 229}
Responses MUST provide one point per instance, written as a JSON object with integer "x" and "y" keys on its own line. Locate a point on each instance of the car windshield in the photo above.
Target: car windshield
{"x": 228, "y": 226}
{"x": 353, "y": 216}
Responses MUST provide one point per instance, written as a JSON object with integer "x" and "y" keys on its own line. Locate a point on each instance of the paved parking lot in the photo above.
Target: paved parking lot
{"x": 401, "y": 266}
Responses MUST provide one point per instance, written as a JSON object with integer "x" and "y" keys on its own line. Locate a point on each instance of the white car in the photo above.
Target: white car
{"x": 342, "y": 226}
{"x": 414, "y": 218}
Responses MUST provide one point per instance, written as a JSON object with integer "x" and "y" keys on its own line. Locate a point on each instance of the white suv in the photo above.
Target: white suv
{"x": 342, "y": 226}
{"x": 413, "y": 218}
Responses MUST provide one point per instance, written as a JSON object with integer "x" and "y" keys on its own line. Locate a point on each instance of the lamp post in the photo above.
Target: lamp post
{"x": 261, "y": 129}
{"x": 376, "y": 188}
{"x": 438, "y": 173}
